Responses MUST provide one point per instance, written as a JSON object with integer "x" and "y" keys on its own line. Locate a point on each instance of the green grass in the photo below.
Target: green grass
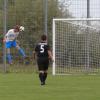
{"x": 17, "y": 86}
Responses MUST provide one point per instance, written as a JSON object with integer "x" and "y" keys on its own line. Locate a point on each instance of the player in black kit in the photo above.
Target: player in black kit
{"x": 44, "y": 54}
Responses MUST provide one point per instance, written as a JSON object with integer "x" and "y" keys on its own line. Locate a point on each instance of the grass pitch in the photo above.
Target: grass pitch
{"x": 17, "y": 86}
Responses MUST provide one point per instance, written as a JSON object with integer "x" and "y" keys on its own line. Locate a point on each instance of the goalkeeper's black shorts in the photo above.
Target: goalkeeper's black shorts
{"x": 43, "y": 63}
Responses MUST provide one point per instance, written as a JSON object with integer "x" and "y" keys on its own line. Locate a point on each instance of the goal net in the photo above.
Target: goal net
{"x": 76, "y": 46}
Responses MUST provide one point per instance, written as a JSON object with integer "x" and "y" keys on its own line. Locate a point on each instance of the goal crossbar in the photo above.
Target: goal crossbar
{"x": 77, "y": 19}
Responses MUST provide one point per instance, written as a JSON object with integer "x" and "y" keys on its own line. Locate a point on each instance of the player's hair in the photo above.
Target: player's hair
{"x": 17, "y": 27}
{"x": 43, "y": 37}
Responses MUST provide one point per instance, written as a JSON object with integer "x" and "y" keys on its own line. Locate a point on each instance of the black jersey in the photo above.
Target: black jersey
{"x": 42, "y": 49}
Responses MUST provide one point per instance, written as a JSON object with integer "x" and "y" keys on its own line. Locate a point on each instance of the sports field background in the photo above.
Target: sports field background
{"x": 21, "y": 81}
{"x": 21, "y": 86}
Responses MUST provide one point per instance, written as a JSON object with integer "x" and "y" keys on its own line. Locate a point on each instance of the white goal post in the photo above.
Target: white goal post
{"x": 76, "y": 46}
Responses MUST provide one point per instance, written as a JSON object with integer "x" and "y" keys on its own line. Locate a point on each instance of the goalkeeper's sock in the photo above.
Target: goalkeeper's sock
{"x": 9, "y": 58}
{"x": 41, "y": 76}
{"x": 21, "y": 51}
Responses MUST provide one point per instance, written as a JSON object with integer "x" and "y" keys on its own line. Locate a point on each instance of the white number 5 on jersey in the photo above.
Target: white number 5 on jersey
{"x": 42, "y": 48}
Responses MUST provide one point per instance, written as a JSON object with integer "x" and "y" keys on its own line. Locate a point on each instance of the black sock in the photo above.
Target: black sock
{"x": 41, "y": 76}
{"x": 45, "y": 76}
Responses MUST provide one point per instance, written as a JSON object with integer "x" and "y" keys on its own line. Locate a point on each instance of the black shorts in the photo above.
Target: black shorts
{"x": 43, "y": 64}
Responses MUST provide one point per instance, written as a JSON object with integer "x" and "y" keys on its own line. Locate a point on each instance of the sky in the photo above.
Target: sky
{"x": 78, "y": 8}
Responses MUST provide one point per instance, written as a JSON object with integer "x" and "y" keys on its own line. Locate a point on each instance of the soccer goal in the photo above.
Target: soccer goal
{"x": 76, "y": 46}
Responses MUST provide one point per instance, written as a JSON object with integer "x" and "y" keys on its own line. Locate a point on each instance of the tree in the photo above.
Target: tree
{"x": 30, "y": 14}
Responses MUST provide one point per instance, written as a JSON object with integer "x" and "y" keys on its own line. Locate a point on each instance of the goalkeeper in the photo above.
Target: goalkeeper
{"x": 10, "y": 41}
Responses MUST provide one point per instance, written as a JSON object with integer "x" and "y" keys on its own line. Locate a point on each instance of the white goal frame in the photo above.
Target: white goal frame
{"x": 53, "y": 35}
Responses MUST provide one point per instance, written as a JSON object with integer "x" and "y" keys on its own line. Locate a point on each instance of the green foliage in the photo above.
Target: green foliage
{"x": 1, "y": 4}
{"x": 1, "y": 16}
{"x": 30, "y": 14}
